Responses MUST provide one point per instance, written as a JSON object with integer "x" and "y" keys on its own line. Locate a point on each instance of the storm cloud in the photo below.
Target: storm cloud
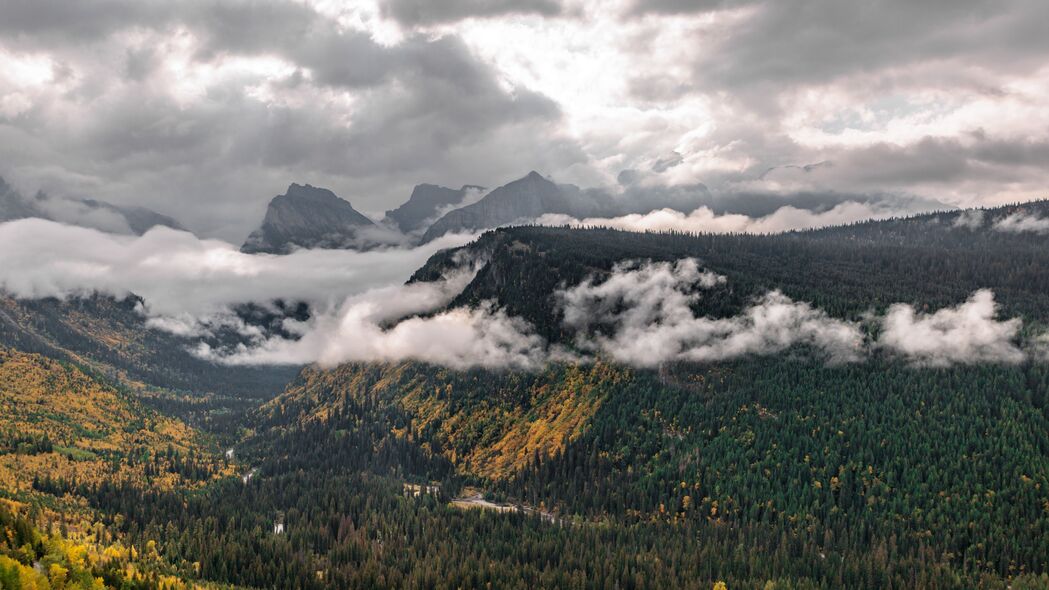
{"x": 204, "y": 110}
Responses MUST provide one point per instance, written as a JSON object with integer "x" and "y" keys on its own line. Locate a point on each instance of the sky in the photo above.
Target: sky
{"x": 204, "y": 110}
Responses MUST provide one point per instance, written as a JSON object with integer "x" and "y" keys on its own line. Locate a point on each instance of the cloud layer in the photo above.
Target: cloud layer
{"x": 705, "y": 220}
{"x": 640, "y": 314}
{"x": 381, "y": 325}
{"x": 181, "y": 276}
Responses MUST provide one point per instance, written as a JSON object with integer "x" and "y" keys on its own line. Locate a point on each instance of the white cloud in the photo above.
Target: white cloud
{"x": 186, "y": 278}
{"x": 705, "y": 220}
{"x": 642, "y": 315}
{"x": 374, "y": 327}
{"x": 1020, "y": 222}
{"x": 968, "y": 333}
{"x": 969, "y": 219}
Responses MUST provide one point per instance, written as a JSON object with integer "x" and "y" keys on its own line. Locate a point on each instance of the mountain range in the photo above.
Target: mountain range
{"x": 522, "y": 200}
{"x": 306, "y": 216}
{"x": 86, "y": 212}
{"x": 427, "y": 203}
{"x": 302, "y": 218}
{"x": 309, "y": 217}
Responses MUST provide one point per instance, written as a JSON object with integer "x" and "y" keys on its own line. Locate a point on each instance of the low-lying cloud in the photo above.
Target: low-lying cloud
{"x": 643, "y": 315}
{"x": 968, "y": 333}
{"x": 1021, "y": 222}
{"x": 971, "y": 219}
{"x": 183, "y": 278}
{"x": 383, "y": 325}
{"x": 706, "y": 220}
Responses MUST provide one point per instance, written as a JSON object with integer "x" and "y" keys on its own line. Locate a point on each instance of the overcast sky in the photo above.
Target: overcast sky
{"x": 204, "y": 110}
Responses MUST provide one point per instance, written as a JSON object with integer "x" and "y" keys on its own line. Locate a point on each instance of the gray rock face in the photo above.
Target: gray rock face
{"x": 521, "y": 200}
{"x": 139, "y": 219}
{"x": 83, "y": 212}
{"x": 308, "y": 217}
{"x": 423, "y": 207}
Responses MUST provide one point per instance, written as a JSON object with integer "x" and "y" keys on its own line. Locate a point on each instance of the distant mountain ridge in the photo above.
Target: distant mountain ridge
{"x": 425, "y": 205}
{"x": 524, "y": 199}
{"x": 306, "y": 216}
{"x": 83, "y": 212}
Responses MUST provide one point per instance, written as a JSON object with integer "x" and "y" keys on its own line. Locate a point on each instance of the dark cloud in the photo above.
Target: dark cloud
{"x": 204, "y": 110}
{"x": 942, "y": 160}
{"x": 39, "y": 22}
{"x": 667, "y": 162}
{"x": 423, "y": 109}
{"x": 427, "y": 12}
{"x": 812, "y": 41}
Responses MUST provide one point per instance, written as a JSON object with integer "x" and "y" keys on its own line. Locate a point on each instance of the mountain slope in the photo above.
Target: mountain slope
{"x": 424, "y": 205}
{"x": 63, "y": 433}
{"x": 524, "y": 416}
{"x": 112, "y": 337}
{"x": 882, "y": 471}
{"x": 521, "y": 200}
{"x": 308, "y": 217}
{"x": 57, "y": 422}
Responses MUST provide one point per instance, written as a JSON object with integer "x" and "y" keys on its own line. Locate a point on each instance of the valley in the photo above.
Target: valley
{"x": 763, "y": 470}
{"x": 524, "y": 295}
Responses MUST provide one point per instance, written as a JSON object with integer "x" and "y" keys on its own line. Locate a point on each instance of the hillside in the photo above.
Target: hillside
{"x": 63, "y": 432}
{"x": 946, "y": 467}
{"x": 883, "y": 471}
{"x": 761, "y": 470}
{"x": 113, "y": 337}
{"x": 486, "y": 424}
{"x": 57, "y": 422}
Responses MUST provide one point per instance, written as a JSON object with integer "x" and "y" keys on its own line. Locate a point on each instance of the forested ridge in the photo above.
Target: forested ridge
{"x": 848, "y": 270}
{"x": 776, "y": 471}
